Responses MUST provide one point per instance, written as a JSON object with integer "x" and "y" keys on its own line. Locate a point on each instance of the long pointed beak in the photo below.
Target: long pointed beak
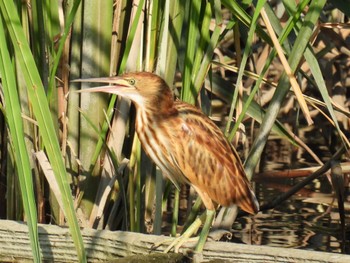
{"x": 117, "y": 85}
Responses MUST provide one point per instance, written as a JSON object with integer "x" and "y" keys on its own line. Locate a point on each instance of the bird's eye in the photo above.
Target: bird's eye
{"x": 131, "y": 81}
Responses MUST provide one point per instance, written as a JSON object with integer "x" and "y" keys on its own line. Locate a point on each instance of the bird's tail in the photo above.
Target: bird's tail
{"x": 249, "y": 203}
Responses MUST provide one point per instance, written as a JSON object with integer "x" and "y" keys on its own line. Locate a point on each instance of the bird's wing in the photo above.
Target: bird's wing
{"x": 208, "y": 160}
{"x": 173, "y": 172}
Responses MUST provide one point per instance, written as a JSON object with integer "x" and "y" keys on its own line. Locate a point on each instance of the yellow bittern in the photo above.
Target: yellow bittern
{"x": 184, "y": 143}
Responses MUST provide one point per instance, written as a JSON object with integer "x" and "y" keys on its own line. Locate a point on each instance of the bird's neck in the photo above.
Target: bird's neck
{"x": 159, "y": 106}
{"x": 153, "y": 113}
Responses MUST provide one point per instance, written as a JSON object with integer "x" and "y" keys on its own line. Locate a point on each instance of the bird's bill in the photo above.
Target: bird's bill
{"x": 117, "y": 85}
{"x": 111, "y": 80}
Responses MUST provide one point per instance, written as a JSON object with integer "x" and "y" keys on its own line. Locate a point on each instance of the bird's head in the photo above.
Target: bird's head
{"x": 143, "y": 88}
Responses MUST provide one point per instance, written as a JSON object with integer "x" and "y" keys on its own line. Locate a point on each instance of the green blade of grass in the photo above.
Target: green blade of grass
{"x": 293, "y": 81}
{"x": 174, "y": 35}
{"x": 41, "y": 111}
{"x": 242, "y": 65}
{"x": 206, "y": 60}
{"x": 188, "y": 92}
{"x": 318, "y": 77}
{"x": 131, "y": 35}
{"x": 113, "y": 158}
{"x": 222, "y": 88}
{"x": 298, "y": 50}
{"x": 14, "y": 121}
{"x": 242, "y": 16}
{"x": 68, "y": 24}
{"x": 95, "y": 62}
{"x": 283, "y": 36}
{"x": 113, "y": 98}
{"x": 204, "y": 38}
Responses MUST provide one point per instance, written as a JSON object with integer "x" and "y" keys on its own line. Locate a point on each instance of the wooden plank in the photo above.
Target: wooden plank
{"x": 57, "y": 246}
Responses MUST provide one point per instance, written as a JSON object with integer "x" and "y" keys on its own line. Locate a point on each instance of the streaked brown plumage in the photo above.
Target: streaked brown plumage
{"x": 184, "y": 143}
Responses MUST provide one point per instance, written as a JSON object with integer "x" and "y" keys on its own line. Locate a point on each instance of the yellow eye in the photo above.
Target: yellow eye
{"x": 131, "y": 81}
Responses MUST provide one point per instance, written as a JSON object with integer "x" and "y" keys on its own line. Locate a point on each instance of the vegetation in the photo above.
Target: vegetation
{"x": 74, "y": 159}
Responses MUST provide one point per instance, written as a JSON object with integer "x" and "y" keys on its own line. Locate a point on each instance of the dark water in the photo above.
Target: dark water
{"x": 308, "y": 220}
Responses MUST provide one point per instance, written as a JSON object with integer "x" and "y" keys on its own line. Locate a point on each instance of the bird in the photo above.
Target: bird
{"x": 184, "y": 143}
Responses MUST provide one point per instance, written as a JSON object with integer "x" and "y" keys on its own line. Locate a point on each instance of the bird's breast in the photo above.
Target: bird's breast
{"x": 156, "y": 139}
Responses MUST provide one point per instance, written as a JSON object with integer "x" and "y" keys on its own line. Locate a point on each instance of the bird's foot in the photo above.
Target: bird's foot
{"x": 191, "y": 230}
{"x": 179, "y": 241}
{"x": 175, "y": 243}
{"x": 185, "y": 237}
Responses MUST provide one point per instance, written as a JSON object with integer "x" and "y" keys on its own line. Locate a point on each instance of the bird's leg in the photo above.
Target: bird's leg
{"x": 210, "y": 214}
{"x": 193, "y": 214}
{"x": 192, "y": 229}
{"x": 207, "y": 218}
{"x": 192, "y": 224}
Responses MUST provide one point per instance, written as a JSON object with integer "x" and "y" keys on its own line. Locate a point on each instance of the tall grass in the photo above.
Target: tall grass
{"x": 211, "y": 49}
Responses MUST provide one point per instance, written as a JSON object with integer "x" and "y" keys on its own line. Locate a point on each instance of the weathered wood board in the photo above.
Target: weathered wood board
{"x": 101, "y": 246}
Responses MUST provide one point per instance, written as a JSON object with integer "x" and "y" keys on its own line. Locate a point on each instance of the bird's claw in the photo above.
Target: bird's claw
{"x": 178, "y": 242}
{"x": 175, "y": 243}
{"x": 190, "y": 231}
